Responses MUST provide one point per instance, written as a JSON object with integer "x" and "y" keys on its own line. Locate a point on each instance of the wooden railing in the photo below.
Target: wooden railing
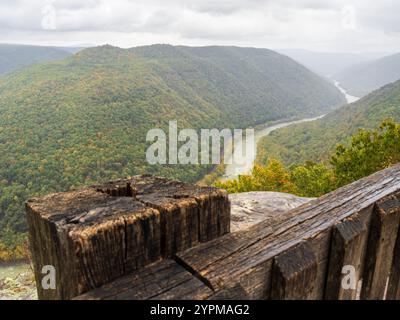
{"x": 149, "y": 238}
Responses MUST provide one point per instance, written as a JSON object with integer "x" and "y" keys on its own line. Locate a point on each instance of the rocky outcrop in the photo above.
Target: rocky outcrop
{"x": 253, "y": 207}
{"x": 17, "y": 282}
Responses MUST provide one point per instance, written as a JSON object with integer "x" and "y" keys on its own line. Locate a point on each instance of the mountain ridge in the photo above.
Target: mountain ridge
{"x": 17, "y": 56}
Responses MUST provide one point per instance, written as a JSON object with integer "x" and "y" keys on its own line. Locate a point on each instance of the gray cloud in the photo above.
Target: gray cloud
{"x": 314, "y": 24}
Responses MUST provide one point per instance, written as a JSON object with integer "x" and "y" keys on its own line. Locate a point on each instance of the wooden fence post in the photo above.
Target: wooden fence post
{"x": 381, "y": 243}
{"x": 140, "y": 238}
{"x": 95, "y": 235}
{"x": 394, "y": 280}
{"x": 294, "y": 274}
{"x": 347, "y": 249}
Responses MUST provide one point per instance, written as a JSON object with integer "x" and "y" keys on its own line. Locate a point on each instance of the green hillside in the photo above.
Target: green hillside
{"x": 84, "y": 119}
{"x": 316, "y": 140}
{"x": 363, "y": 78}
{"x": 13, "y": 57}
{"x": 250, "y": 86}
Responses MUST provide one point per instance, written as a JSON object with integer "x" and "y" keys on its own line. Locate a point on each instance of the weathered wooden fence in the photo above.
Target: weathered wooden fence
{"x": 150, "y": 238}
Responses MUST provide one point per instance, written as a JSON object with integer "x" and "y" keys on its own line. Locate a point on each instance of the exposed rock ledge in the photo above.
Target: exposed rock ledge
{"x": 253, "y": 207}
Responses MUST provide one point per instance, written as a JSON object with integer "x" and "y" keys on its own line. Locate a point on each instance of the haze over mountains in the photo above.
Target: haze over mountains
{"x": 84, "y": 119}
{"x": 14, "y": 56}
{"x": 328, "y": 63}
{"x": 358, "y": 74}
{"x": 363, "y": 78}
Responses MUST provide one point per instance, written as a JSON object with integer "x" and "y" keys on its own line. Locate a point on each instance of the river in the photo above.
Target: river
{"x": 349, "y": 98}
{"x": 232, "y": 171}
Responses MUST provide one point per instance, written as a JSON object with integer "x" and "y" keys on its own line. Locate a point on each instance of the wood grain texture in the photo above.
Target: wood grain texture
{"x": 164, "y": 280}
{"x": 381, "y": 243}
{"x": 95, "y": 235}
{"x": 394, "y": 280}
{"x": 349, "y": 243}
{"x": 294, "y": 274}
{"x": 247, "y": 256}
{"x": 206, "y": 211}
{"x": 233, "y": 292}
{"x": 84, "y": 235}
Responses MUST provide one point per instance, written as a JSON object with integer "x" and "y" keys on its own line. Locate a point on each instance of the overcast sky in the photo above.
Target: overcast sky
{"x": 321, "y": 25}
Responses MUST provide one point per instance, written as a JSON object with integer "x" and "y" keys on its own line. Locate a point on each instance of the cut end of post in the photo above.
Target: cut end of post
{"x": 95, "y": 235}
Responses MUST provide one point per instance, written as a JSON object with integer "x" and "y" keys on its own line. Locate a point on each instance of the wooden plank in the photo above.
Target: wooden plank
{"x": 247, "y": 256}
{"x": 394, "y": 280}
{"x": 193, "y": 289}
{"x": 347, "y": 249}
{"x": 320, "y": 245}
{"x": 234, "y": 292}
{"x": 381, "y": 242}
{"x": 161, "y": 280}
{"x": 294, "y": 274}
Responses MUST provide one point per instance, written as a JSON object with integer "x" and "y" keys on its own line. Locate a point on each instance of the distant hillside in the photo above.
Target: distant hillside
{"x": 250, "y": 86}
{"x": 326, "y": 63}
{"x": 316, "y": 140}
{"x": 363, "y": 78}
{"x": 84, "y": 119}
{"x": 73, "y": 50}
{"x": 13, "y": 57}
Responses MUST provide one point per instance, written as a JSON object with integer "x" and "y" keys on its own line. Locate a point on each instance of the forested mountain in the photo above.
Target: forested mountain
{"x": 84, "y": 119}
{"x": 248, "y": 85}
{"x": 13, "y": 57}
{"x": 363, "y": 78}
{"x": 316, "y": 140}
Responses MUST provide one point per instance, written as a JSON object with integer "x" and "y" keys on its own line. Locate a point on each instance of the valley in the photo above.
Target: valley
{"x": 232, "y": 171}
{"x": 365, "y": 77}
{"x": 315, "y": 141}
{"x": 84, "y": 119}
{"x": 205, "y": 150}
